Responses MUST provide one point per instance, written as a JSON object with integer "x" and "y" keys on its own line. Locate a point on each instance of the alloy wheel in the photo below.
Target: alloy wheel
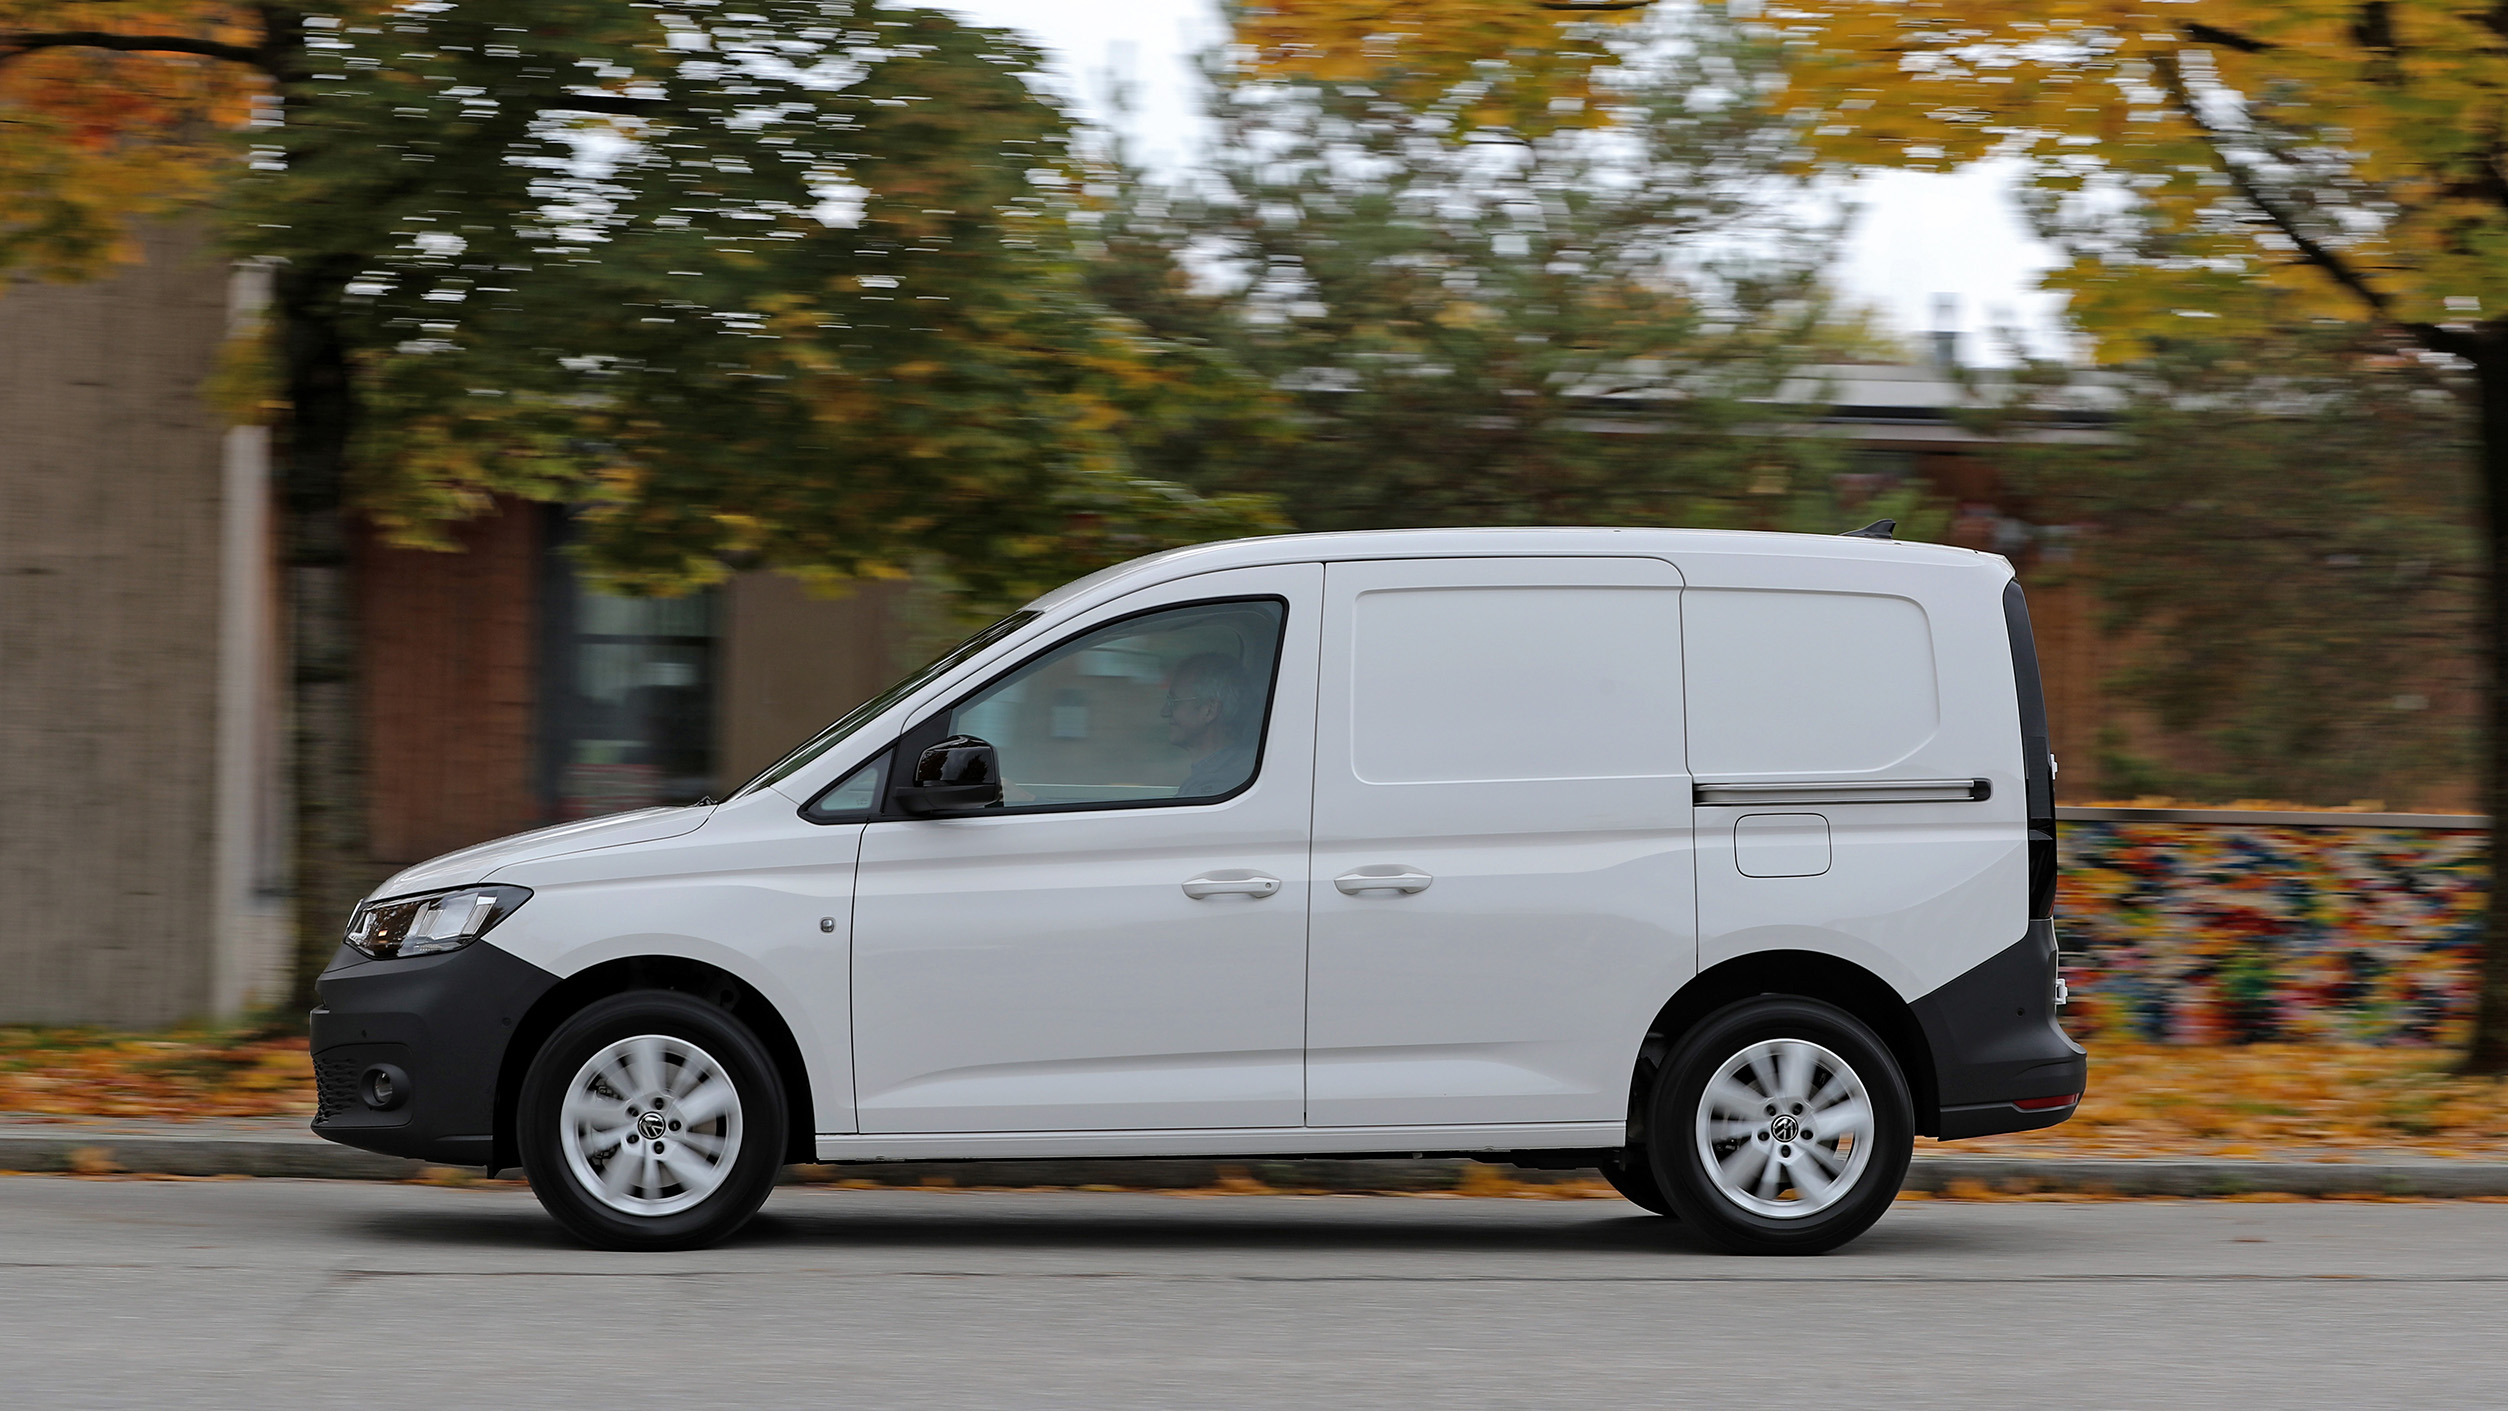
{"x": 650, "y": 1125}
{"x": 1785, "y": 1129}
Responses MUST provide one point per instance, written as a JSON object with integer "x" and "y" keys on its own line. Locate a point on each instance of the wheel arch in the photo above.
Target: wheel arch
{"x": 710, "y": 983}
{"x": 1811, "y": 975}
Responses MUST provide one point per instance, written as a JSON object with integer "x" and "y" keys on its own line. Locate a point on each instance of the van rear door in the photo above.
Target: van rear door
{"x": 1502, "y": 891}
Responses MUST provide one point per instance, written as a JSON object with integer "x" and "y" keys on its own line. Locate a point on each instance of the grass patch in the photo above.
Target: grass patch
{"x": 246, "y": 1070}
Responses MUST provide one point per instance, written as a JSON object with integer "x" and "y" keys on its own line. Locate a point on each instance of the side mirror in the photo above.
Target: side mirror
{"x": 958, "y": 775}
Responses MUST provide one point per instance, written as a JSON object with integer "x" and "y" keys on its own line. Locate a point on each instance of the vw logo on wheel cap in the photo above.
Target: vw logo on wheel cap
{"x": 1783, "y": 1126}
{"x": 650, "y": 1125}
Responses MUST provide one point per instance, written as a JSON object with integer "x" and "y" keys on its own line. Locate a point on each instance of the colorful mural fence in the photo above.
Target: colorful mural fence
{"x": 2209, "y": 927}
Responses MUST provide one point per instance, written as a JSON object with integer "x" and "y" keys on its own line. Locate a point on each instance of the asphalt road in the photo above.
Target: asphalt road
{"x": 270, "y": 1293}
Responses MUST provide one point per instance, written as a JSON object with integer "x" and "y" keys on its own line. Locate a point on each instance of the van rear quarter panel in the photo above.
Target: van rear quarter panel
{"x": 1808, "y": 669}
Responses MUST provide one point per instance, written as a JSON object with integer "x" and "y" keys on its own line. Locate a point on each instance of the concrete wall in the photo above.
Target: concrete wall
{"x": 116, "y": 598}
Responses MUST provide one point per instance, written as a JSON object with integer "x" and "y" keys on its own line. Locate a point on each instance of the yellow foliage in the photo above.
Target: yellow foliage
{"x": 1418, "y": 51}
{"x": 2368, "y": 131}
{"x": 183, "y": 1074}
{"x": 91, "y": 139}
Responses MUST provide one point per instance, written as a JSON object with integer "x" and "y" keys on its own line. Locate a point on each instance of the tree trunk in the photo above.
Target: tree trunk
{"x": 334, "y": 865}
{"x": 2488, "y": 352}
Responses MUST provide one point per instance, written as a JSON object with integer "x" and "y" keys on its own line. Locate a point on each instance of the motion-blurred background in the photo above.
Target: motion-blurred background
{"x": 424, "y": 421}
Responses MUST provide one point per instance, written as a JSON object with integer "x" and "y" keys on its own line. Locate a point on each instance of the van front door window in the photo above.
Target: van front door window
{"x": 1168, "y": 706}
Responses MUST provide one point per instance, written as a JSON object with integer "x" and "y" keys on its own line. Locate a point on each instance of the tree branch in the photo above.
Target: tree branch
{"x": 2314, "y": 251}
{"x": 2455, "y": 342}
{"x": 15, "y": 45}
{"x": 2202, "y": 33}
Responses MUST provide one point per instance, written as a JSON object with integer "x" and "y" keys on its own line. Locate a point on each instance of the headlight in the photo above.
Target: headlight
{"x": 432, "y": 922}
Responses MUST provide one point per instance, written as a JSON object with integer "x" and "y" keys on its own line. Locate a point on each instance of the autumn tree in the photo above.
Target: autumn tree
{"x": 782, "y": 285}
{"x": 1486, "y": 315}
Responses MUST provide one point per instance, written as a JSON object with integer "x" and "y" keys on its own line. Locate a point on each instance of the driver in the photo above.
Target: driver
{"x": 1209, "y": 711}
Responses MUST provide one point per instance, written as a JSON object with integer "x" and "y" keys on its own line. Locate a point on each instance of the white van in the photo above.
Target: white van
{"x": 1723, "y": 862}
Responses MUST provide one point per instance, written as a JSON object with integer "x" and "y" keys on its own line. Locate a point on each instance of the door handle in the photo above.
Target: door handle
{"x": 1391, "y": 877}
{"x": 1235, "y": 882}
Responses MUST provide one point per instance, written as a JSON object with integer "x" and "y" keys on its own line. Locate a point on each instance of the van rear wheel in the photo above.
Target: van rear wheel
{"x": 1782, "y": 1126}
{"x": 651, "y": 1120}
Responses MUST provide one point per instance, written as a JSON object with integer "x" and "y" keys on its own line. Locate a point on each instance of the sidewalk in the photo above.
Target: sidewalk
{"x": 283, "y": 1147}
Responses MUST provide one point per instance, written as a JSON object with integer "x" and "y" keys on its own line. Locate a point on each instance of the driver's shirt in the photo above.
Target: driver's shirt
{"x": 1218, "y": 772}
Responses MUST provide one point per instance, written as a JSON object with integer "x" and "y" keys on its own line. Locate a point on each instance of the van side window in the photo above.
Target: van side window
{"x": 1798, "y": 683}
{"x": 1169, "y": 705}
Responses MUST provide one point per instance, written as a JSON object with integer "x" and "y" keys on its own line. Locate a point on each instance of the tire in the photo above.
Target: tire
{"x": 652, "y": 1078}
{"x": 1787, "y": 1068}
{"x": 1633, "y": 1176}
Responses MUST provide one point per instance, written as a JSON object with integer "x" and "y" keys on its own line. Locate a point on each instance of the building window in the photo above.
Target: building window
{"x": 627, "y": 698}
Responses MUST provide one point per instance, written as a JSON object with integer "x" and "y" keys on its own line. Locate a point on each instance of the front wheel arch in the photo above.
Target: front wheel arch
{"x": 711, "y": 983}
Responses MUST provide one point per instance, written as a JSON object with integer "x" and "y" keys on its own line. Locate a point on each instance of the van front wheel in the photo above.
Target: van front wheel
{"x": 651, "y": 1120}
{"x": 1783, "y": 1126}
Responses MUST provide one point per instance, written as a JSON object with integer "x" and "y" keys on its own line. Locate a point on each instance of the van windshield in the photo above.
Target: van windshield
{"x": 869, "y": 710}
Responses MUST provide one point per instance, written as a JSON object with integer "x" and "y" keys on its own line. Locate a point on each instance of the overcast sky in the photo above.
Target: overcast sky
{"x": 1919, "y": 236}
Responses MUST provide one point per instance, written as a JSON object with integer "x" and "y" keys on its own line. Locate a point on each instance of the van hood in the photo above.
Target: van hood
{"x": 473, "y": 864}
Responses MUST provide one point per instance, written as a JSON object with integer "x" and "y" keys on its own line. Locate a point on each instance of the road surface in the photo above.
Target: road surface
{"x": 263, "y": 1294}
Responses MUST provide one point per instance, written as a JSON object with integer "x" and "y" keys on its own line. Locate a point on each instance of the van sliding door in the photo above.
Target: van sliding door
{"x": 1502, "y": 891}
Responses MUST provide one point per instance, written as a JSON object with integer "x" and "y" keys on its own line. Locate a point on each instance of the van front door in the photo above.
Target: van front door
{"x": 1503, "y": 889}
{"x": 1121, "y": 944}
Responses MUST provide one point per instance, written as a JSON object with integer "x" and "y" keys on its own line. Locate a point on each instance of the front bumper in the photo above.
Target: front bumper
{"x": 1996, "y": 1043}
{"x": 443, "y": 1022}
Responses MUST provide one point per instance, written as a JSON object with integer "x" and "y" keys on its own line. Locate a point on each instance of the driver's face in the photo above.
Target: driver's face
{"x": 1189, "y": 716}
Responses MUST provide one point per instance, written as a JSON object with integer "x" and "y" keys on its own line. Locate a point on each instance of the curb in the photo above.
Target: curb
{"x": 106, "y": 1150}
{"x": 88, "y": 1151}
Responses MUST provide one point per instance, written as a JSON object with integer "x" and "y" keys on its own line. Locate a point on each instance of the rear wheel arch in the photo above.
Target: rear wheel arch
{"x": 710, "y": 983}
{"x": 1810, "y": 975}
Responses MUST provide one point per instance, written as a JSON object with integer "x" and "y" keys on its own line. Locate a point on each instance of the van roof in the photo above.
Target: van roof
{"x": 1482, "y": 543}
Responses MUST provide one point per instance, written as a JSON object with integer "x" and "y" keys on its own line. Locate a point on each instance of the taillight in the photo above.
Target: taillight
{"x": 2046, "y": 1104}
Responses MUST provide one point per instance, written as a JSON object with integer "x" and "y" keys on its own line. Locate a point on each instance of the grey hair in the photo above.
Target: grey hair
{"x": 1219, "y": 677}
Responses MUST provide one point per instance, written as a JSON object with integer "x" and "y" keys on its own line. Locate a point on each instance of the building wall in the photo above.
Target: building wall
{"x": 112, "y": 544}
{"x": 451, "y": 686}
{"x": 791, "y": 663}
{"x": 456, "y": 691}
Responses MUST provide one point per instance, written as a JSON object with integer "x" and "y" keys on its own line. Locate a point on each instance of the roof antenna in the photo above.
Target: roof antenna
{"x": 1878, "y": 529}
